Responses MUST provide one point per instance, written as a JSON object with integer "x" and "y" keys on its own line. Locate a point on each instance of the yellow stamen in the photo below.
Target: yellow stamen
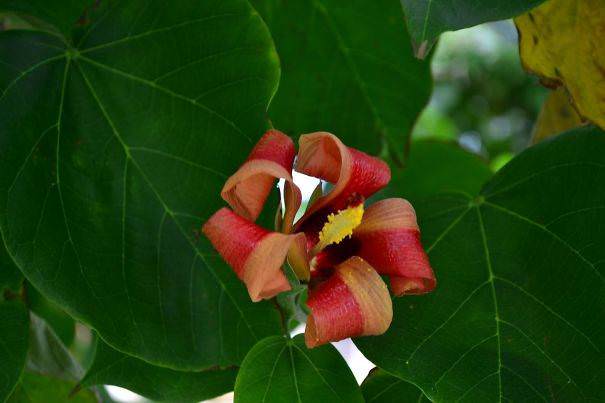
{"x": 339, "y": 226}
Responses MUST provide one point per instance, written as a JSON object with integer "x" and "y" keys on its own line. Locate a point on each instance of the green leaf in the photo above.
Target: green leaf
{"x": 37, "y": 388}
{"x": 114, "y": 154}
{"x": 279, "y": 369}
{"x": 14, "y": 325}
{"x": 380, "y": 386}
{"x": 435, "y": 167}
{"x": 162, "y": 384}
{"x": 63, "y": 14}
{"x": 427, "y": 19}
{"x": 520, "y": 299}
{"x": 348, "y": 68}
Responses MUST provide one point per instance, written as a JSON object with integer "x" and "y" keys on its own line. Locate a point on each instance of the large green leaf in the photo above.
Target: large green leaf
{"x": 34, "y": 388}
{"x": 14, "y": 326}
{"x": 162, "y": 384}
{"x": 63, "y": 14}
{"x": 426, "y": 19}
{"x": 284, "y": 370}
{"x": 435, "y": 167}
{"x": 520, "y": 299}
{"x": 383, "y": 387}
{"x": 348, "y": 68}
{"x": 114, "y": 153}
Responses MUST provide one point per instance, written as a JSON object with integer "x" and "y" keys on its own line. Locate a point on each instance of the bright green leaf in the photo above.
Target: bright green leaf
{"x": 114, "y": 154}
{"x": 111, "y": 367}
{"x": 34, "y": 388}
{"x": 520, "y": 300}
{"x": 63, "y": 14}
{"x": 348, "y": 68}
{"x": 284, "y": 370}
{"x": 381, "y": 387}
{"x": 427, "y": 19}
{"x": 14, "y": 325}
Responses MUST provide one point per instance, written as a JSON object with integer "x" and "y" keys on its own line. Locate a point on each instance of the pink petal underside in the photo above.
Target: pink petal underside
{"x": 255, "y": 254}
{"x": 353, "y": 173}
{"x": 389, "y": 239}
{"x": 247, "y": 189}
{"x": 352, "y": 301}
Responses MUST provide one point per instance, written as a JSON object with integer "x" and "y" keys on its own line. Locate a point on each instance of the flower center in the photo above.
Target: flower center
{"x": 339, "y": 226}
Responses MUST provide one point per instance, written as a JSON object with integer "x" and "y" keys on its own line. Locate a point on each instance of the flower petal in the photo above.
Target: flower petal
{"x": 353, "y": 173}
{"x": 389, "y": 239}
{"x": 271, "y": 158}
{"x": 353, "y": 301}
{"x": 255, "y": 254}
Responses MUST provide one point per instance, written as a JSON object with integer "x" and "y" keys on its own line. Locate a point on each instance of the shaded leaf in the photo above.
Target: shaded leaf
{"x": 10, "y": 276}
{"x": 557, "y": 115}
{"x": 279, "y": 369}
{"x": 517, "y": 312}
{"x": 63, "y": 324}
{"x": 348, "y": 68}
{"x": 113, "y": 156}
{"x": 435, "y": 167}
{"x": 427, "y": 19}
{"x": 562, "y": 42}
{"x": 14, "y": 326}
{"x": 33, "y": 388}
{"x": 63, "y": 14}
{"x": 110, "y": 367}
{"x": 382, "y": 387}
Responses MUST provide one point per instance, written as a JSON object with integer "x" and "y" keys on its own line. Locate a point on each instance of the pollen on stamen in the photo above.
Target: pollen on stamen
{"x": 339, "y": 226}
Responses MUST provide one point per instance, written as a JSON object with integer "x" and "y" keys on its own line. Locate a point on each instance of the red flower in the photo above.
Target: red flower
{"x": 339, "y": 247}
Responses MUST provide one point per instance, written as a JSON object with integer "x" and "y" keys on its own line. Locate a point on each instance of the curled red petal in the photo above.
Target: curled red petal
{"x": 255, "y": 254}
{"x": 389, "y": 239}
{"x": 353, "y": 173}
{"x": 353, "y": 301}
{"x": 247, "y": 189}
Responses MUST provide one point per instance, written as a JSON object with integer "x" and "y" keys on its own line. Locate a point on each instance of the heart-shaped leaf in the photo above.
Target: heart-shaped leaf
{"x": 114, "y": 152}
{"x": 426, "y": 19}
{"x": 381, "y": 386}
{"x": 14, "y": 325}
{"x": 279, "y": 369}
{"x": 520, "y": 299}
{"x": 348, "y": 68}
{"x": 110, "y": 367}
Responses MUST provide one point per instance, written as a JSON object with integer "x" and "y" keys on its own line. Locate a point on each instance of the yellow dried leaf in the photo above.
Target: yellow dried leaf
{"x": 563, "y": 41}
{"x": 557, "y": 115}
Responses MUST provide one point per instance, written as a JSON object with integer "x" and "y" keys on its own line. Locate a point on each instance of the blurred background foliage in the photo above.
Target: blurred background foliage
{"x": 482, "y": 97}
